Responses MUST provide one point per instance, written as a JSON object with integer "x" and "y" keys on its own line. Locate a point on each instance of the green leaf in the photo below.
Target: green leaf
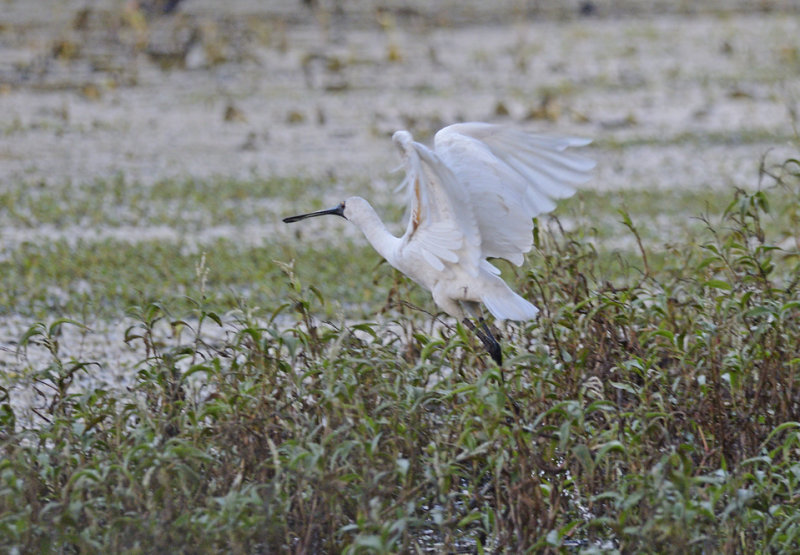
{"x": 718, "y": 284}
{"x": 215, "y": 317}
{"x": 584, "y": 456}
{"x": 606, "y": 448}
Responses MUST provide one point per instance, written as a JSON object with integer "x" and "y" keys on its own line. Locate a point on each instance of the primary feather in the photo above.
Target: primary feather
{"x": 511, "y": 177}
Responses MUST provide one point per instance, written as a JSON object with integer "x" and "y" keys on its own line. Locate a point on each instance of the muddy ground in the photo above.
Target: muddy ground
{"x": 672, "y": 98}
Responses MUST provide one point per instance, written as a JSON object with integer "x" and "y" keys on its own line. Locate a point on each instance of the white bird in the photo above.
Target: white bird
{"x": 472, "y": 198}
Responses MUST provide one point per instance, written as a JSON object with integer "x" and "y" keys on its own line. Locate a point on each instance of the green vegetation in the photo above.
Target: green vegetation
{"x": 105, "y": 277}
{"x": 187, "y": 205}
{"x": 145, "y": 242}
{"x": 653, "y": 407}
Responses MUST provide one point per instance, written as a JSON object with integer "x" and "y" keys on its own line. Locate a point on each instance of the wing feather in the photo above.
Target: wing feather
{"x": 442, "y": 226}
{"x": 512, "y": 177}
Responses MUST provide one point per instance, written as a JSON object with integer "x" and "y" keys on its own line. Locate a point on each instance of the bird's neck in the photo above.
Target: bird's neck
{"x": 376, "y": 233}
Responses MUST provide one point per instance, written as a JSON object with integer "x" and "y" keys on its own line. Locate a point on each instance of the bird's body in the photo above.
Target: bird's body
{"x": 456, "y": 287}
{"x": 472, "y": 197}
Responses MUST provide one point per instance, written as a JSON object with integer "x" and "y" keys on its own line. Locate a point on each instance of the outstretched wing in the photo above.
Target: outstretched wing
{"x": 511, "y": 177}
{"x": 442, "y": 226}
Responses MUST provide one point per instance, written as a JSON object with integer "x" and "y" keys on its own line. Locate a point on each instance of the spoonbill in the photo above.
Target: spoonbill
{"x": 472, "y": 197}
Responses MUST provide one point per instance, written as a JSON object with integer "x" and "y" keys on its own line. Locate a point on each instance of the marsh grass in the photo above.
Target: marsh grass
{"x": 101, "y": 275}
{"x": 655, "y": 411}
{"x": 104, "y": 277}
{"x": 187, "y": 204}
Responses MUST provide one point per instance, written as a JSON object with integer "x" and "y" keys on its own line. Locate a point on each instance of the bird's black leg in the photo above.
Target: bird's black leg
{"x": 488, "y": 340}
{"x": 493, "y": 346}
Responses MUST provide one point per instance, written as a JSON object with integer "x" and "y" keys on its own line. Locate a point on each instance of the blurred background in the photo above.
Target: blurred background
{"x": 674, "y": 93}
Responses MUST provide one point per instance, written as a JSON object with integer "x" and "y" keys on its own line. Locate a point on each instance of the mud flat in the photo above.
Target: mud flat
{"x": 671, "y": 99}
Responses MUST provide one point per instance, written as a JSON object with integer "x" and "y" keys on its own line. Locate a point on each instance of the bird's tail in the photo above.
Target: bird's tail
{"x": 504, "y": 304}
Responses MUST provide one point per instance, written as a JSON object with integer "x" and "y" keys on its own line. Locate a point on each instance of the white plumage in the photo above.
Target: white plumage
{"x": 472, "y": 197}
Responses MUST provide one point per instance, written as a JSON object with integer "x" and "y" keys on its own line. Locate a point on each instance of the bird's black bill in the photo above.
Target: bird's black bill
{"x": 338, "y": 211}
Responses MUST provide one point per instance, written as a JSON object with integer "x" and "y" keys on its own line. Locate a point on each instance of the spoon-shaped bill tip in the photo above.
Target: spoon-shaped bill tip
{"x": 338, "y": 211}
